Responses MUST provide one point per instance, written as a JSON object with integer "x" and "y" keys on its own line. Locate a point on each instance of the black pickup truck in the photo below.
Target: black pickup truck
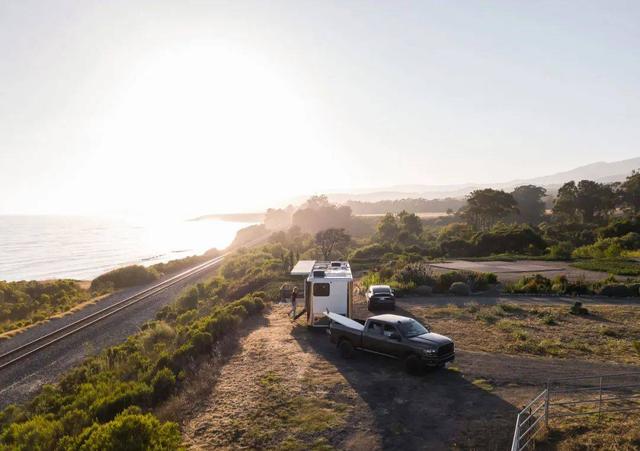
{"x": 393, "y": 336}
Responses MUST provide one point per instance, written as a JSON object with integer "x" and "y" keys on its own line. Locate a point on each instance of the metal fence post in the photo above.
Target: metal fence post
{"x": 515, "y": 445}
{"x": 600, "y": 399}
{"x": 546, "y": 407}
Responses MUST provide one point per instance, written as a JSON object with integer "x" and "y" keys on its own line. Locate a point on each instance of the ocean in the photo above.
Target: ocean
{"x": 51, "y": 247}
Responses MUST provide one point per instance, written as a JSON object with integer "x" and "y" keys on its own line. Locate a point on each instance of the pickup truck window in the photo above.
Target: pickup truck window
{"x": 412, "y": 328}
{"x": 389, "y": 329}
{"x": 375, "y": 328}
{"x": 321, "y": 289}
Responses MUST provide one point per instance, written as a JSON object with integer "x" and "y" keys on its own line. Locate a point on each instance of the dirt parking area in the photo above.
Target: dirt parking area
{"x": 510, "y": 271}
{"x": 287, "y": 388}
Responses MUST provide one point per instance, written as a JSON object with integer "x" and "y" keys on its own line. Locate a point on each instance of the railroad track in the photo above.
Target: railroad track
{"x": 22, "y": 352}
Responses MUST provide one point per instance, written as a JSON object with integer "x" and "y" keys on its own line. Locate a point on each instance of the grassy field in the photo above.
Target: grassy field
{"x": 608, "y": 333}
{"x": 618, "y": 267}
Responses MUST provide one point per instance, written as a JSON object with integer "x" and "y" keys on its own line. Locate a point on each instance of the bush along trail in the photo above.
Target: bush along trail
{"x": 113, "y": 399}
{"x": 108, "y": 401}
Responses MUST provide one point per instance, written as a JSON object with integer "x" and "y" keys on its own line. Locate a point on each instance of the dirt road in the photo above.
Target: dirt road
{"x": 287, "y": 388}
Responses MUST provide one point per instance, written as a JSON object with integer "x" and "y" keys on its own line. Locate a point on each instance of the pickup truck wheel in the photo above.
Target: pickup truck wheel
{"x": 412, "y": 364}
{"x": 346, "y": 349}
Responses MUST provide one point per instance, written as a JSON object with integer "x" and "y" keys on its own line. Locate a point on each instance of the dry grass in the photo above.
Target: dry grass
{"x": 615, "y": 432}
{"x": 608, "y": 333}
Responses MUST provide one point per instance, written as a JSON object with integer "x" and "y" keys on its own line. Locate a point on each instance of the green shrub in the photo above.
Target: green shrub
{"x": 515, "y": 239}
{"x": 189, "y": 300}
{"x": 128, "y": 276}
{"x": 173, "y": 266}
{"x": 578, "y": 309}
{"x": 120, "y": 396}
{"x": 634, "y": 289}
{"x": 445, "y": 280}
{"x": 414, "y": 274}
{"x": 370, "y": 252}
{"x": 616, "y": 290}
{"x": 38, "y": 433}
{"x": 532, "y": 284}
{"x": 460, "y": 289}
{"x": 130, "y": 432}
{"x": 607, "y": 247}
{"x": 163, "y": 384}
{"x": 561, "y": 250}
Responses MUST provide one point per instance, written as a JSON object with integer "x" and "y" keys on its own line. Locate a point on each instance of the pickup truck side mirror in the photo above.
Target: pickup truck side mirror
{"x": 395, "y": 336}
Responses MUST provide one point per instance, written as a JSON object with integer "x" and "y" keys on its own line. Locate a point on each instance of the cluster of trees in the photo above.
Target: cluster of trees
{"x": 24, "y": 303}
{"x": 318, "y": 214}
{"x": 586, "y": 202}
{"x": 404, "y": 227}
{"x": 587, "y": 220}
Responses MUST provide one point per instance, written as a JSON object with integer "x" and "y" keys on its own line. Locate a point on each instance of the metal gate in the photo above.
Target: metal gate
{"x": 586, "y": 395}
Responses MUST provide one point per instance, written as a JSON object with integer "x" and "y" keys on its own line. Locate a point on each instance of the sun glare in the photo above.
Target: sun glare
{"x": 206, "y": 115}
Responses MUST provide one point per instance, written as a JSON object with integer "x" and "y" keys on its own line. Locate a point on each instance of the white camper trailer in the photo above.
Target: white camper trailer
{"x": 328, "y": 286}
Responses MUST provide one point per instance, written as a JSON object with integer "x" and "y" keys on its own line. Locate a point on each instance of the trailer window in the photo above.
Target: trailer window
{"x": 321, "y": 289}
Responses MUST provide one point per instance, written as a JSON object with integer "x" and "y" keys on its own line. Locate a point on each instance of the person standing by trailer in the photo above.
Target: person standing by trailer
{"x": 294, "y": 297}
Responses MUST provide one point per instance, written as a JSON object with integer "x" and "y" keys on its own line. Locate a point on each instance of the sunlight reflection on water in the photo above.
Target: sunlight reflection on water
{"x": 47, "y": 247}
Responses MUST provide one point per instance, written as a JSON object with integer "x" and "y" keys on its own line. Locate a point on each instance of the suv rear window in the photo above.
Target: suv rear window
{"x": 321, "y": 289}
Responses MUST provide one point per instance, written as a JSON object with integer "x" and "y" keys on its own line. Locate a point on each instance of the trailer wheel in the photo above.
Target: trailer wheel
{"x": 346, "y": 349}
{"x": 412, "y": 364}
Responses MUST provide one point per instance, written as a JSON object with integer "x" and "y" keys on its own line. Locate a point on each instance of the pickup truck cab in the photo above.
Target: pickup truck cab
{"x": 394, "y": 336}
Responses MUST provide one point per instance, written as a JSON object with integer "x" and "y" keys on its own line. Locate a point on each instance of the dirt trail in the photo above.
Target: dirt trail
{"x": 266, "y": 390}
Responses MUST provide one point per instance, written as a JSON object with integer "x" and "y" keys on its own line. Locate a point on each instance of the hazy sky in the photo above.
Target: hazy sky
{"x": 138, "y": 106}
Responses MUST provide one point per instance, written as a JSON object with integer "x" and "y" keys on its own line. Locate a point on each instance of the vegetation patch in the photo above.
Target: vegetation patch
{"x": 107, "y": 400}
{"x": 25, "y": 303}
{"x": 483, "y": 384}
{"x": 607, "y": 333}
{"x": 620, "y": 267}
{"x": 129, "y": 276}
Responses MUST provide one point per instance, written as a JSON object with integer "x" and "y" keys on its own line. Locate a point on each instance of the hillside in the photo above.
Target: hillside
{"x": 599, "y": 171}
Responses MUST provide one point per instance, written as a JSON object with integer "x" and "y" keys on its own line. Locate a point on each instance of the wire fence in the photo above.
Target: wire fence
{"x": 576, "y": 396}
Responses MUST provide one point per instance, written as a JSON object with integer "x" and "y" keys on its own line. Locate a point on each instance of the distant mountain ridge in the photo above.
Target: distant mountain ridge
{"x": 602, "y": 171}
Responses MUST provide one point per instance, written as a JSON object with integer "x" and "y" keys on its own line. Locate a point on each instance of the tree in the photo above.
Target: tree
{"x": 590, "y": 201}
{"x": 530, "y": 204}
{"x": 410, "y": 223}
{"x": 278, "y": 218}
{"x": 388, "y": 228}
{"x": 331, "y": 240}
{"x": 565, "y": 203}
{"x": 318, "y": 214}
{"x": 630, "y": 193}
{"x": 487, "y": 206}
{"x": 316, "y": 202}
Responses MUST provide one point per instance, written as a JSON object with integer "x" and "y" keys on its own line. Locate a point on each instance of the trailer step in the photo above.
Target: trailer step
{"x": 304, "y": 310}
